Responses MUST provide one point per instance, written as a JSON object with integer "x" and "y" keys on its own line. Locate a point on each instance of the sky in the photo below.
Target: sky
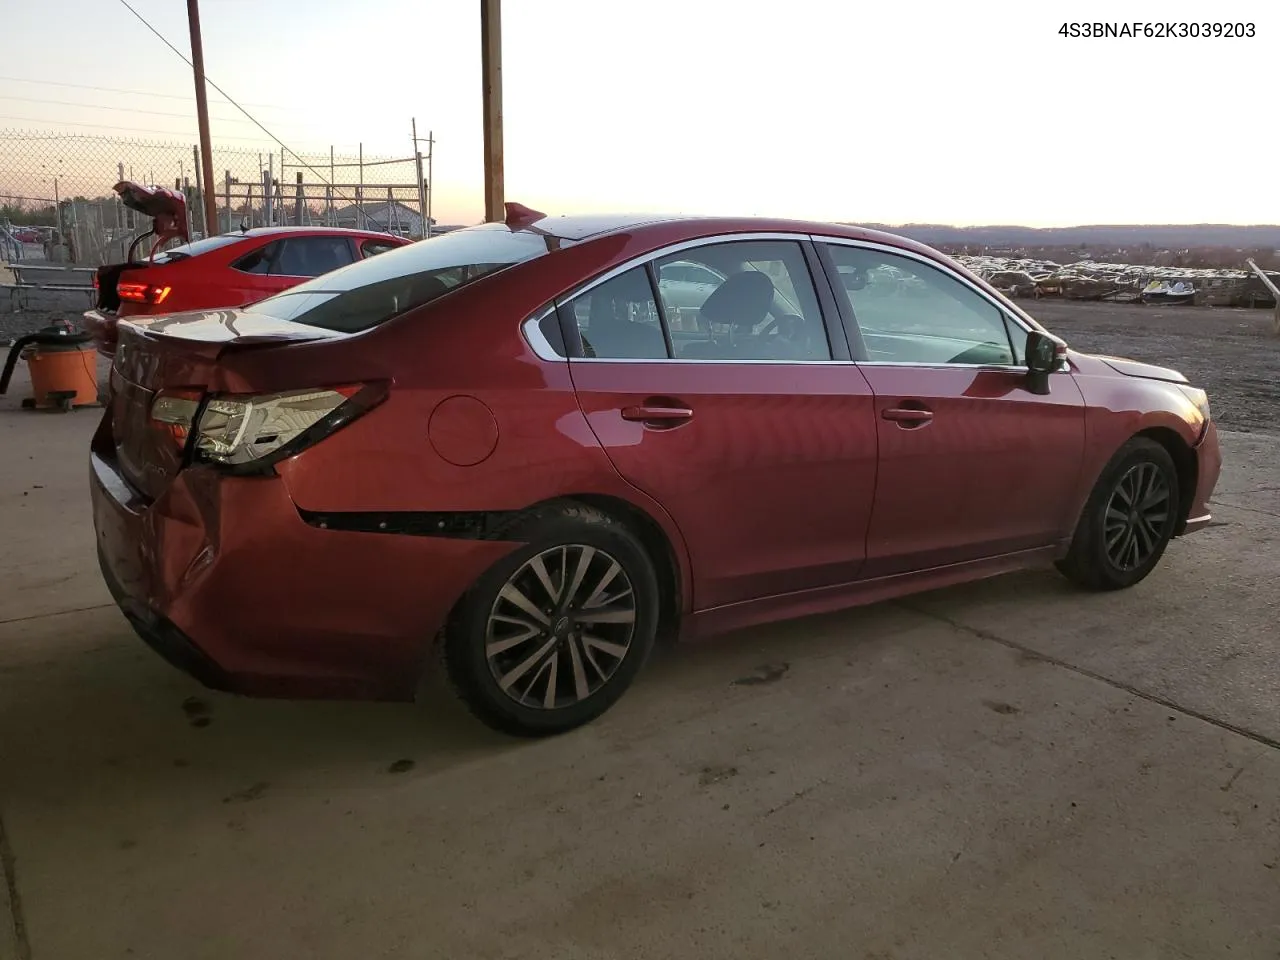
{"x": 906, "y": 112}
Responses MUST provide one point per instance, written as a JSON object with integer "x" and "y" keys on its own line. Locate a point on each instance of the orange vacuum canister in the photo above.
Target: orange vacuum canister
{"x": 63, "y": 366}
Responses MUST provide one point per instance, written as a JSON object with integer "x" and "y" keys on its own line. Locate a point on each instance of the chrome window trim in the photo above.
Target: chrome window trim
{"x": 544, "y": 351}
{"x": 538, "y": 343}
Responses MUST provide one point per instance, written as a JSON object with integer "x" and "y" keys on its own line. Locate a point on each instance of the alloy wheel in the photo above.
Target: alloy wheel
{"x": 1137, "y": 516}
{"x": 560, "y": 626}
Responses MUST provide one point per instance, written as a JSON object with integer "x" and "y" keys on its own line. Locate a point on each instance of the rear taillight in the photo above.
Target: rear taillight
{"x": 148, "y": 293}
{"x": 173, "y": 413}
{"x": 249, "y": 433}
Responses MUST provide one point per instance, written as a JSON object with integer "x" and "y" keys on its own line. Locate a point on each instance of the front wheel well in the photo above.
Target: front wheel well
{"x": 1186, "y": 462}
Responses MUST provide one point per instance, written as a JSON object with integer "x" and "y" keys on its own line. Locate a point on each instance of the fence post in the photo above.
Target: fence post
{"x": 268, "y": 219}
{"x": 228, "y": 201}
{"x": 204, "y": 217}
{"x": 360, "y": 220}
{"x": 299, "y": 198}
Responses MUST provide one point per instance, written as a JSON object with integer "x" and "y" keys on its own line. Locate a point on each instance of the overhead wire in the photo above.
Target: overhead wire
{"x": 301, "y": 162}
{"x": 114, "y": 126}
{"x": 136, "y": 93}
{"x": 103, "y": 106}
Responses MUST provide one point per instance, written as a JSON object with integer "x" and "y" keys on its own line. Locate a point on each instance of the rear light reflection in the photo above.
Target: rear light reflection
{"x": 173, "y": 412}
{"x": 148, "y": 293}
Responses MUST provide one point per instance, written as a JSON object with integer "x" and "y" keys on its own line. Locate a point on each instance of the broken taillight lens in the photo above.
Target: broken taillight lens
{"x": 173, "y": 412}
{"x": 148, "y": 293}
{"x": 248, "y": 433}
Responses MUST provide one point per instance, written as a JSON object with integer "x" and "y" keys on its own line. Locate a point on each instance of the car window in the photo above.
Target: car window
{"x": 761, "y": 306}
{"x": 685, "y": 272}
{"x": 371, "y": 248}
{"x": 618, "y": 320}
{"x": 187, "y": 250}
{"x": 911, "y": 312}
{"x": 258, "y": 261}
{"x": 311, "y": 256}
{"x": 373, "y": 290}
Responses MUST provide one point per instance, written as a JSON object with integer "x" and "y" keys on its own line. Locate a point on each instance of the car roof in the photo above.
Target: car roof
{"x": 591, "y": 226}
{"x": 273, "y": 231}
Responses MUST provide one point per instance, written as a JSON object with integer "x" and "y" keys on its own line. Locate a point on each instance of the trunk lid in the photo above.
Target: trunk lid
{"x": 175, "y": 358}
{"x": 168, "y": 212}
{"x": 166, "y": 208}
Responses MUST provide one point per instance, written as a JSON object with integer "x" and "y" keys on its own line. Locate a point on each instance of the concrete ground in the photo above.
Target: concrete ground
{"x": 1011, "y": 770}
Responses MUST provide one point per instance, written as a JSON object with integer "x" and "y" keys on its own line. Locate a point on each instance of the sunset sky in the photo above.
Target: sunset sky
{"x": 891, "y": 112}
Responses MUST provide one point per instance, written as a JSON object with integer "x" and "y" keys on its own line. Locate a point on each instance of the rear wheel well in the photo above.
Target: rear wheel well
{"x": 1185, "y": 460}
{"x": 658, "y": 547}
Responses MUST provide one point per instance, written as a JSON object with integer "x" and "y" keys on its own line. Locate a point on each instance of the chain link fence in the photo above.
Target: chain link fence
{"x": 56, "y": 200}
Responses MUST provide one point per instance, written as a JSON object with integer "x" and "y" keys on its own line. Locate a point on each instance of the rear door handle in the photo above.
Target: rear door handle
{"x": 657, "y": 415}
{"x": 907, "y": 416}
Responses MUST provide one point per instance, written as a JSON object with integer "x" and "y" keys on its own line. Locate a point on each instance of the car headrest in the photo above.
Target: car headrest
{"x": 741, "y": 301}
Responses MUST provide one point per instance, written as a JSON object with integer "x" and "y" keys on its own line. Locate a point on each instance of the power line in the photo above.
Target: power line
{"x": 231, "y": 100}
{"x": 136, "y": 93}
{"x": 114, "y": 126}
{"x": 103, "y": 106}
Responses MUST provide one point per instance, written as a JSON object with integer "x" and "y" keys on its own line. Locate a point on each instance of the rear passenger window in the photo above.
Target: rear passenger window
{"x": 258, "y": 261}
{"x": 371, "y": 248}
{"x": 752, "y": 300}
{"x": 618, "y": 320}
{"x": 311, "y": 256}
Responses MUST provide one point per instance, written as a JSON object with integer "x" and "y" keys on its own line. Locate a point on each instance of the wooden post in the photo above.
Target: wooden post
{"x": 491, "y": 69}
{"x": 202, "y": 114}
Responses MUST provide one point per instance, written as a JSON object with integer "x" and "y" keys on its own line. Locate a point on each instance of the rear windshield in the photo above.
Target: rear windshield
{"x": 369, "y": 292}
{"x": 194, "y": 249}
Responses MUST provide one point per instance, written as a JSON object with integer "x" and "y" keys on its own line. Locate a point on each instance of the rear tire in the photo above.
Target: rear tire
{"x": 1128, "y": 520}
{"x": 552, "y": 635}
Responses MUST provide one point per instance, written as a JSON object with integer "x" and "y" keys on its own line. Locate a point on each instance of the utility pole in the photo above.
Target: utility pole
{"x": 202, "y": 114}
{"x": 491, "y": 68}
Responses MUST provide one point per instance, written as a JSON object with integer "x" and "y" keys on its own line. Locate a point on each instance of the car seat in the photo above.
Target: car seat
{"x": 741, "y": 303}
{"x": 612, "y": 334}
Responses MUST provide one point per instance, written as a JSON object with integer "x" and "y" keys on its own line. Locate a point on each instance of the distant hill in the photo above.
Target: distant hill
{"x": 1161, "y": 236}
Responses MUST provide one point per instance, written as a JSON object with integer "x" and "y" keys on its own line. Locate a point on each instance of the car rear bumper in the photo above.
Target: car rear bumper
{"x": 1209, "y": 468}
{"x": 225, "y": 580}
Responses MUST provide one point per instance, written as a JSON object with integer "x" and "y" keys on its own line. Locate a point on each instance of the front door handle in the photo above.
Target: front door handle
{"x": 658, "y": 415}
{"x": 908, "y": 417}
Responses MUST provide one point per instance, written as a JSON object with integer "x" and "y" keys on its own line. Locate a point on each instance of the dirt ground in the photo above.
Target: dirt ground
{"x": 1003, "y": 770}
{"x": 1232, "y": 353}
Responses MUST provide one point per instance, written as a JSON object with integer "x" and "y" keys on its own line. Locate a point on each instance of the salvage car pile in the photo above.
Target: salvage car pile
{"x": 1119, "y": 282}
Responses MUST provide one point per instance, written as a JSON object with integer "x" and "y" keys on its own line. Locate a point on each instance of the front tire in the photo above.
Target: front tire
{"x": 1128, "y": 521}
{"x": 552, "y": 635}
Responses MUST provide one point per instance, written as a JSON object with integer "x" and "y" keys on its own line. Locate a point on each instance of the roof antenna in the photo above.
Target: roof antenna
{"x": 518, "y": 215}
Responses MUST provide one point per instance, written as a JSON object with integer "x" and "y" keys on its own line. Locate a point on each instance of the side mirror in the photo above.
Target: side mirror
{"x": 1045, "y": 354}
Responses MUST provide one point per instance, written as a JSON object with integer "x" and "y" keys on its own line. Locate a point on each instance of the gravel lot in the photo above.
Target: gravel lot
{"x": 1230, "y": 352}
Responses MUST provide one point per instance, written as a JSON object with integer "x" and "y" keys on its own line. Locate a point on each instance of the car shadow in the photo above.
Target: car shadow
{"x": 100, "y": 712}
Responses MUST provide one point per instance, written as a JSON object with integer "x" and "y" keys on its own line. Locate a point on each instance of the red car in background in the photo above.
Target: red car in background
{"x": 228, "y": 270}
{"x": 546, "y": 441}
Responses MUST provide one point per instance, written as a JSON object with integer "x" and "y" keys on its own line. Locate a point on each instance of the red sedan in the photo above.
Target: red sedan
{"x": 229, "y": 270}
{"x": 549, "y": 440}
